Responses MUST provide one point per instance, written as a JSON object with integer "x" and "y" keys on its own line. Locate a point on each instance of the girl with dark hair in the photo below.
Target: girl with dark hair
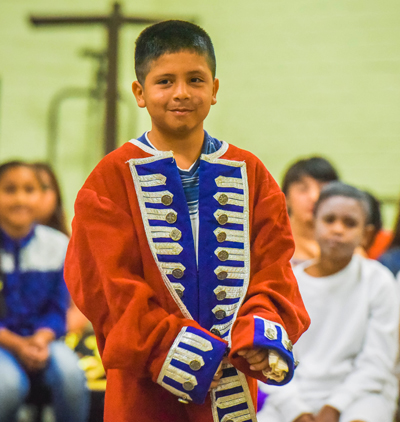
{"x": 51, "y": 211}
{"x": 301, "y": 185}
{"x": 33, "y": 305}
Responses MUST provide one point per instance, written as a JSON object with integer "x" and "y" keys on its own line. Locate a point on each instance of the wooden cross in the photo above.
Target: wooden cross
{"x": 112, "y": 22}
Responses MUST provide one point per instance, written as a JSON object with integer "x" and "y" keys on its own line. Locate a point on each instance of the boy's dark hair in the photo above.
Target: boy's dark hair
{"x": 375, "y": 214}
{"x": 342, "y": 189}
{"x": 171, "y": 36}
{"x": 316, "y": 167}
{"x": 396, "y": 233}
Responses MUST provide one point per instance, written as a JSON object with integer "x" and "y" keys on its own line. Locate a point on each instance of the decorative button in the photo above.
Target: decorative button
{"x": 223, "y": 255}
{"x": 222, "y": 275}
{"x": 228, "y": 420}
{"x": 221, "y": 295}
{"x": 223, "y": 199}
{"x": 270, "y": 333}
{"x": 216, "y": 332}
{"x": 170, "y": 217}
{"x": 166, "y": 199}
{"x": 220, "y": 314}
{"x": 175, "y": 234}
{"x": 195, "y": 365}
{"x": 223, "y": 219}
{"x": 221, "y": 237}
{"x": 183, "y": 400}
{"x": 188, "y": 386}
{"x": 179, "y": 292}
{"x": 177, "y": 273}
{"x": 289, "y": 345}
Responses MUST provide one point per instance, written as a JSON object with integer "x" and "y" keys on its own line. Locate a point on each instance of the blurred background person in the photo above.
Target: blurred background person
{"x": 301, "y": 185}
{"x": 33, "y": 304}
{"x": 391, "y": 258}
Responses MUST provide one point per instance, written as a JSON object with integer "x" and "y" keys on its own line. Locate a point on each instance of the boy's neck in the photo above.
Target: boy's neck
{"x": 306, "y": 247}
{"x": 186, "y": 148}
{"x": 324, "y": 267}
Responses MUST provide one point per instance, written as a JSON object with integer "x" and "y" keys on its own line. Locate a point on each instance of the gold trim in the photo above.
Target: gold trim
{"x": 176, "y": 392}
{"x": 229, "y": 182}
{"x": 160, "y": 214}
{"x": 214, "y": 155}
{"x": 231, "y": 235}
{"x": 239, "y": 416}
{"x": 236, "y": 273}
{"x": 168, "y": 267}
{"x": 180, "y": 376}
{"x": 150, "y": 180}
{"x": 228, "y": 309}
{"x": 163, "y": 232}
{"x": 228, "y": 383}
{"x": 233, "y": 198}
{"x": 168, "y": 248}
{"x": 186, "y": 356}
{"x": 230, "y": 401}
{"x": 231, "y": 292}
{"x": 222, "y": 328}
{"x": 235, "y": 254}
{"x": 233, "y": 216}
{"x": 155, "y": 197}
{"x": 145, "y": 219}
{"x": 196, "y": 341}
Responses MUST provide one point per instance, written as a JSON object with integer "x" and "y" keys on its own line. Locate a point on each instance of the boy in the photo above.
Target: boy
{"x": 180, "y": 253}
{"x": 348, "y": 354}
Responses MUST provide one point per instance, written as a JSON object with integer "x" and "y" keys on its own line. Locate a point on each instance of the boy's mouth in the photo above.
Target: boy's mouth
{"x": 181, "y": 111}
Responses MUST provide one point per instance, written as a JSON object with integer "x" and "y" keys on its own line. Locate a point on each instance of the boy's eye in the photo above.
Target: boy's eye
{"x": 329, "y": 219}
{"x": 350, "y": 222}
{"x": 163, "y": 82}
{"x": 196, "y": 80}
{"x": 10, "y": 189}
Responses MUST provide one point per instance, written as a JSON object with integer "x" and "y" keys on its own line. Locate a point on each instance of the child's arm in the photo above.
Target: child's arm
{"x": 273, "y": 314}
{"x": 139, "y": 327}
{"x": 374, "y": 365}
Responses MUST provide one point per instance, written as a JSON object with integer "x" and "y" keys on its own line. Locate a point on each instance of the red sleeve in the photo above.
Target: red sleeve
{"x": 273, "y": 292}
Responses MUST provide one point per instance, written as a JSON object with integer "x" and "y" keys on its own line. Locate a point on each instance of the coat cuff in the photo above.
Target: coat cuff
{"x": 191, "y": 364}
{"x": 271, "y": 335}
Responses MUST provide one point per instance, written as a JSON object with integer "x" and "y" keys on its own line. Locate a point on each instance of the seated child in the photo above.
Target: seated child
{"x": 391, "y": 258}
{"x": 180, "y": 252}
{"x": 347, "y": 356}
{"x": 301, "y": 185}
{"x": 33, "y": 304}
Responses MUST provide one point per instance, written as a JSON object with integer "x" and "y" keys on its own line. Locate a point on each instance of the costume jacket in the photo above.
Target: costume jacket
{"x": 165, "y": 315}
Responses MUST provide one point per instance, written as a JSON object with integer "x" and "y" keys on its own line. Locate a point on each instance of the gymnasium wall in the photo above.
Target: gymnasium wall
{"x": 297, "y": 78}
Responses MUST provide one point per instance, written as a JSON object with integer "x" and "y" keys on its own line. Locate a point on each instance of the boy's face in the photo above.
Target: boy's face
{"x": 178, "y": 92}
{"x": 340, "y": 226}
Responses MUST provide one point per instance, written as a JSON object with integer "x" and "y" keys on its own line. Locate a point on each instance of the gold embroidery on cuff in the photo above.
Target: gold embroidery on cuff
{"x": 181, "y": 376}
{"x": 168, "y": 248}
{"x": 229, "y": 235}
{"x": 239, "y": 416}
{"x": 188, "y": 357}
{"x": 230, "y": 401}
{"x": 152, "y": 180}
{"x": 229, "y": 182}
{"x": 196, "y": 341}
{"x": 228, "y": 383}
{"x": 176, "y": 392}
{"x": 231, "y": 254}
{"x": 229, "y": 198}
{"x": 232, "y": 217}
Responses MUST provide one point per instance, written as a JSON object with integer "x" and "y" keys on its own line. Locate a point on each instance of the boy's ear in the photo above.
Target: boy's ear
{"x": 137, "y": 90}
{"x": 215, "y": 90}
{"x": 368, "y": 237}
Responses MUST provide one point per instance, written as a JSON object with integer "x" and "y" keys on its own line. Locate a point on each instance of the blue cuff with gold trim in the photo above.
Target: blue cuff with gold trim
{"x": 191, "y": 364}
{"x": 270, "y": 335}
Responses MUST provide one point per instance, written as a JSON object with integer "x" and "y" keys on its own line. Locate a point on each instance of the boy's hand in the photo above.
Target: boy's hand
{"x": 328, "y": 414}
{"x": 306, "y": 417}
{"x": 31, "y": 356}
{"x": 257, "y": 358}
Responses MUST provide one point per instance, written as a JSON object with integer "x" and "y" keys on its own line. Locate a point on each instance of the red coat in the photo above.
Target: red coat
{"x": 114, "y": 277}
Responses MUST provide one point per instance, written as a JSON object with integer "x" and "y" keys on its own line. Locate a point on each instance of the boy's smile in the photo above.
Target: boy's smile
{"x": 178, "y": 92}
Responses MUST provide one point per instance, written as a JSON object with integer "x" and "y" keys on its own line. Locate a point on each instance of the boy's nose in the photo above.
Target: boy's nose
{"x": 181, "y": 91}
